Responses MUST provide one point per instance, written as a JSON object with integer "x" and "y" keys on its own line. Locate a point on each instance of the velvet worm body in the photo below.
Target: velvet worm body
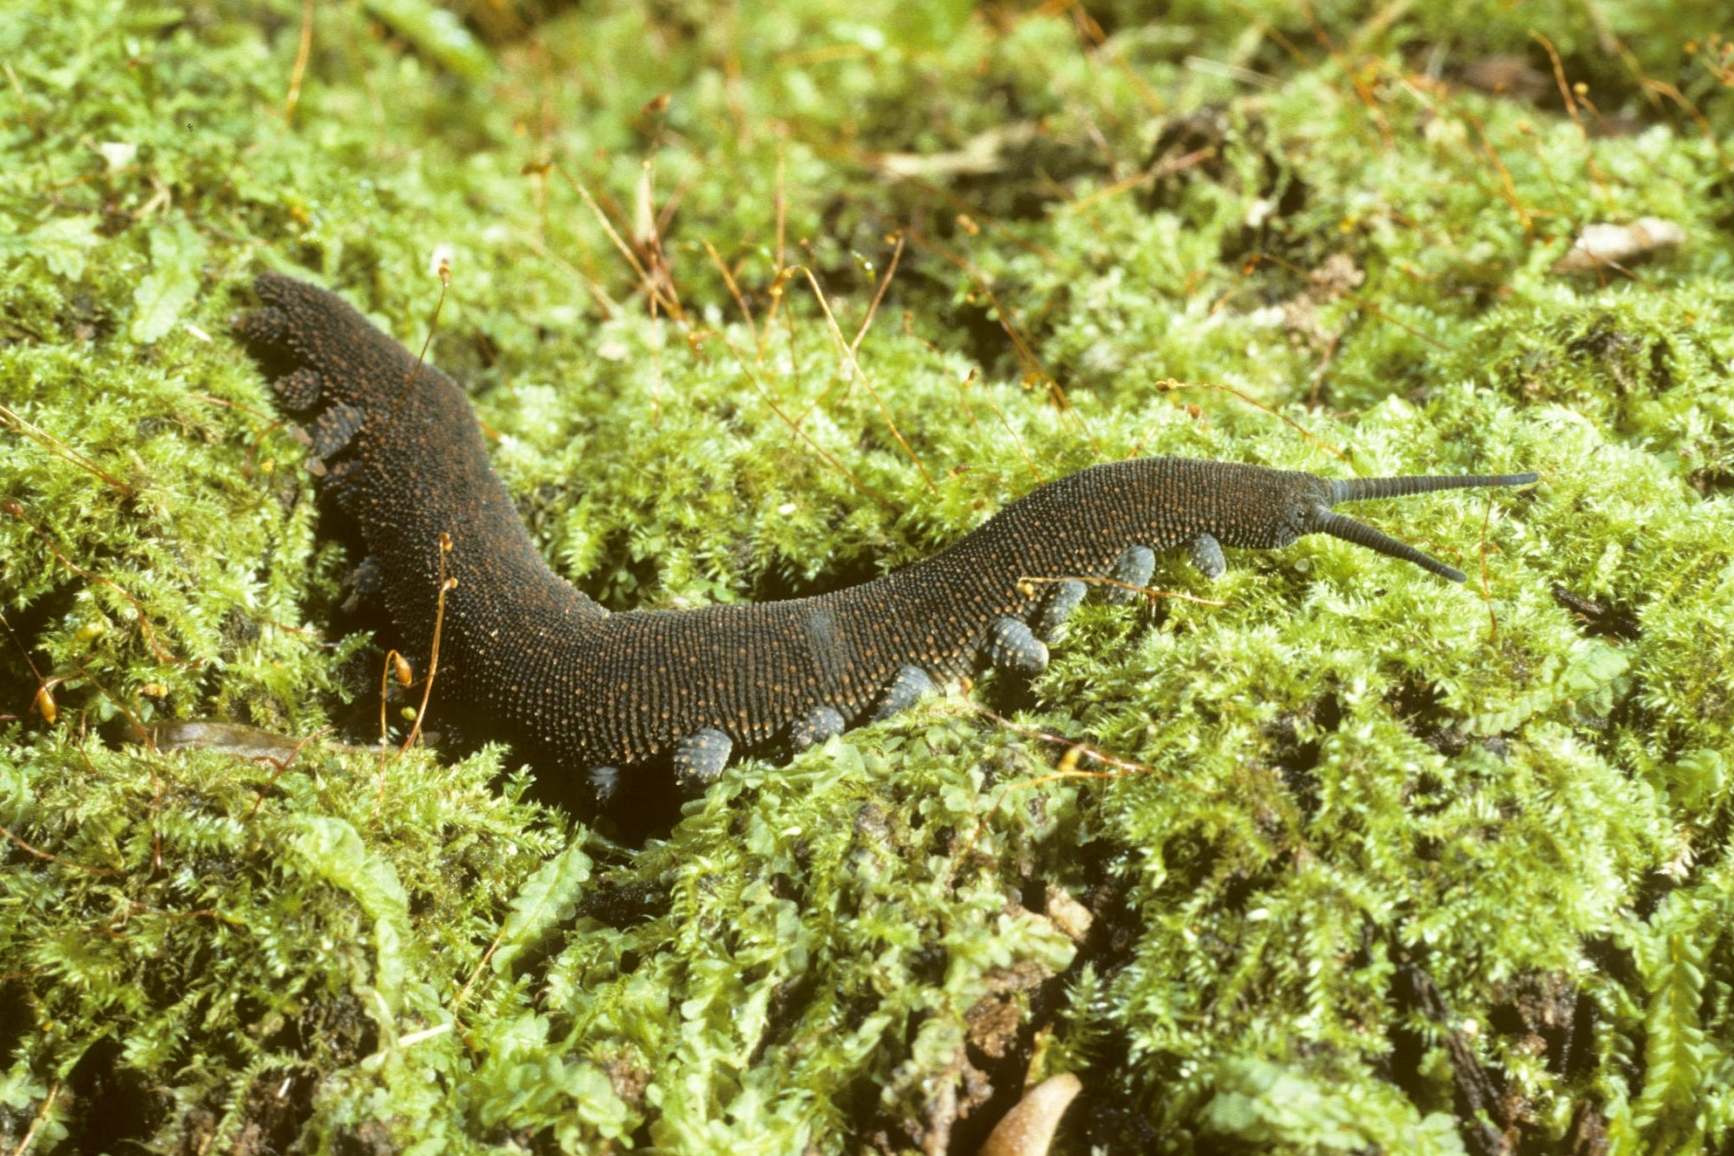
{"x": 594, "y": 696}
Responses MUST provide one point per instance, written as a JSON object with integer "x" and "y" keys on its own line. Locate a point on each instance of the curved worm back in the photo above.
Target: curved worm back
{"x": 587, "y": 694}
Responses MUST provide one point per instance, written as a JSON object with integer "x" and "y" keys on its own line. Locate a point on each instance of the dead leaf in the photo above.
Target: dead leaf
{"x": 1028, "y": 1129}
{"x": 1602, "y": 246}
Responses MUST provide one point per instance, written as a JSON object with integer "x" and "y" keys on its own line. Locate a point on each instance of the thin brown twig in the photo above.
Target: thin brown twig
{"x": 445, "y": 275}
{"x": 1089, "y": 29}
{"x": 795, "y": 426}
{"x": 280, "y": 767}
{"x": 1017, "y": 438}
{"x": 1377, "y": 25}
{"x": 119, "y": 703}
{"x": 464, "y": 992}
{"x": 861, "y": 376}
{"x": 60, "y": 448}
{"x": 969, "y": 410}
{"x": 672, "y": 308}
{"x": 433, "y": 662}
{"x": 1319, "y": 31}
{"x": 1559, "y": 79}
{"x": 51, "y": 857}
{"x": 538, "y": 245}
{"x": 41, "y": 1118}
{"x": 735, "y": 292}
{"x": 782, "y": 208}
{"x": 648, "y": 226}
{"x": 1324, "y": 367}
{"x": 1507, "y": 185}
{"x": 1663, "y": 88}
{"x": 224, "y": 403}
{"x": 303, "y": 51}
{"x": 136, "y": 909}
{"x": 1163, "y": 169}
{"x": 1378, "y": 311}
{"x": 1565, "y": 94}
{"x": 35, "y": 852}
{"x": 395, "y": 664}
{"x": 1149, "y": 592}
{"x": 43, "y": 685}
{"x": 1026, "y": 355}
{"x": 878, "y": 295}
{"x": 24, "y": 108}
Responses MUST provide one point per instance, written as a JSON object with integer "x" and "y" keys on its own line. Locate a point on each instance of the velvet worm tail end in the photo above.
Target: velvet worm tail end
{"x": 1341, "y": 526}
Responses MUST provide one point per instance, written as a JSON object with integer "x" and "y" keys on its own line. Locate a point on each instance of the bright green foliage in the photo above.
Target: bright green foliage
{"x": 1388, "y": 864}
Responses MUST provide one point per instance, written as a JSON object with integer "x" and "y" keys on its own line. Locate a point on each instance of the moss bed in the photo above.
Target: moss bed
{"x": 1331, "y": 856}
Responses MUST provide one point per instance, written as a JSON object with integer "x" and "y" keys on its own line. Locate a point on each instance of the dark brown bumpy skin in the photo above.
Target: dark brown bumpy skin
{"x": 576, "y": 688}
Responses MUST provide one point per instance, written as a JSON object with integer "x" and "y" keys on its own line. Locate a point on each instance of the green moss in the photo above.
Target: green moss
{"x": 1388, "y": 863}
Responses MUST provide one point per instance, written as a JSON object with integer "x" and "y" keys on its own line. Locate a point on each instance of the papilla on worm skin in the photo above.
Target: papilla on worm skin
{"x": 635, "y": 709}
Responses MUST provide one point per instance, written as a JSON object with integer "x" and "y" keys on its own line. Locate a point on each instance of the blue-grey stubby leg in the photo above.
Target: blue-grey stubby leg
{"x": 815, "y": 727}
{"x": 1134, "y": 567}
{"x": 1050, "y": 620}
{"x": 699, "y": 759}
{"x": 604, "y": 781}
{"x": 1206, "y": 553}
{"x": 908, "y": 686}
{"x": 364, "y": 584}
{"x": 1012, "y": 647}
{"x": 298, "y": 391}
{"x": 333, "y": 429}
